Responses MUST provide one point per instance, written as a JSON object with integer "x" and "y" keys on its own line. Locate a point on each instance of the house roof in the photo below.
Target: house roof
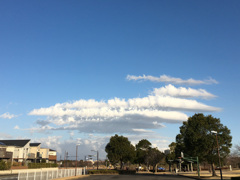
{"x": 20, "y": 143}
{"x": 34, "y": 144}
{"x": 51, "y": 150}
{"x": 2, "y": 144}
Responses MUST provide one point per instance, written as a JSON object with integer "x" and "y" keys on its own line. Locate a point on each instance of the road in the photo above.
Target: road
{"x": 118, "y": 177}
{"x": 8, "y": 177}
{"x": 135, "y": 177}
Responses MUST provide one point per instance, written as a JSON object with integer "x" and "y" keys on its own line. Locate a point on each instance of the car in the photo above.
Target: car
{"x": 161, "y": 169}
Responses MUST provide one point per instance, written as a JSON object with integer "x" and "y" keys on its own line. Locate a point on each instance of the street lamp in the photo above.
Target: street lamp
{"x": 97, "y": 157}
{"x": 215, "y": 132}
{"x": 76, "y": 159}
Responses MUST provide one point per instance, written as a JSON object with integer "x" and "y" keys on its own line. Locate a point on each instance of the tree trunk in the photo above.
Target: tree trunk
{"x": 213, "y": 170}
{"x": 121, "y": 167}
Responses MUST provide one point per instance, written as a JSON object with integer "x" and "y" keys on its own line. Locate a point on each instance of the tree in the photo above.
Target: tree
{"x": 171, "y": 156}
{"x": 234, "y": 158}
{"x": 120, "y": 149}
{"x": 154, "y": 156}
{"x": 141, "y": 150}
{"x": 196, "y": 139}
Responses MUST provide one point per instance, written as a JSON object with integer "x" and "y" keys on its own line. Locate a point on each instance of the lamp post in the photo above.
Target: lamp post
{"x": 76, "y": 159}
{"x": 215, "y": 132}
{"x": 97, "y": 157}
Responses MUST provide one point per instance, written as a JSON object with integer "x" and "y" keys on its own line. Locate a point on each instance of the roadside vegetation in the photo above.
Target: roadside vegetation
{"x": 196, "y": 139}
{"x": 41, "y": 165}
{"x": 5, "y": 165}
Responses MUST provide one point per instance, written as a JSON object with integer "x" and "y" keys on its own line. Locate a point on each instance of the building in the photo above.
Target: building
{"x": 24, "y": 151}
{"x": 45, "y": 154}
{"x": 52, "y": 156}
{"x": 4, "y": 154}
{"x": 20, "y": 149}
{"x": 35, "y": 155}
{"x": 167, "y": 151}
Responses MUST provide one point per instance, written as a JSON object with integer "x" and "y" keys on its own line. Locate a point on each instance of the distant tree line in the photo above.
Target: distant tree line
{"x": 200, "y": 136}
{"x": 121, "y": 151}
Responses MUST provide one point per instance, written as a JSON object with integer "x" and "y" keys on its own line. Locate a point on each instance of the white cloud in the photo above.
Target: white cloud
{"x": 16, "y": 127}
{"x": 71, "y": 133}
{"x": 172, "y": 80}
{"x": 95, "y": 142}
{"x": 7, "y": 115}
{"x": 117, "y": 115}
{"x": 135, "y": 118}
{"x": 125, "y": 116}
{"x": 142, "y": 130}
{"x": 5, "y": 136}
{"x": 69, "y": 145}
{"x": 182, "y": 92}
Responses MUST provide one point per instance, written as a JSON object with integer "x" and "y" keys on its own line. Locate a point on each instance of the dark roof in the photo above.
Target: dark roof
{"x": 51, "y": 150}
{"x": 2, "y": 144}
{"x": 21, "y": 142}
{"x": 34, "y": 144}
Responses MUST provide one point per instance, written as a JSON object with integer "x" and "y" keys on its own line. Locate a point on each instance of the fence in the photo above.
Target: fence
{"x": 50, "y": 174}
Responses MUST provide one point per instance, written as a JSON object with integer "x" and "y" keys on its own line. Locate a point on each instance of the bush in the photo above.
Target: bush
{"x": 41, "y": 165}
{"x": 5, "y": 165}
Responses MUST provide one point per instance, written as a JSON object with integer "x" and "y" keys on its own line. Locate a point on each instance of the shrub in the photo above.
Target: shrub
{"x": 5, "y": 165}
{"x": 41, "y": 165}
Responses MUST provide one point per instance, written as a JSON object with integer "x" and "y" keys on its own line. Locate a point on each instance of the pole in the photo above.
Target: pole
{"x": 97, "y": 160}
{"x": 76, "y": 160}
{"x": 219, "y": 157}
{"x": 65, "y": 160}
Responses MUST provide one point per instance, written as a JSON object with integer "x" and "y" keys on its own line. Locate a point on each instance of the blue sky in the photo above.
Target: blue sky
{"x": 57, "y": 53}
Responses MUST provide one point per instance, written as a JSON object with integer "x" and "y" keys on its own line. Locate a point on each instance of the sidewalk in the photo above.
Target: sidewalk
{"x": 207, "y": 175}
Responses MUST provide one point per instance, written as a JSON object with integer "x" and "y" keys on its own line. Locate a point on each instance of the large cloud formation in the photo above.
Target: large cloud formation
{"x": 133, "y": 116}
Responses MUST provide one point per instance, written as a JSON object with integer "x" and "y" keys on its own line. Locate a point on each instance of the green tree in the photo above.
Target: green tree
{"x": 196, "y": 139}
{"x": 153, "y": 157}
{"x": 120, "y": 149}
{"x": 141, "y": 150}
{"x": 171, "y": 156}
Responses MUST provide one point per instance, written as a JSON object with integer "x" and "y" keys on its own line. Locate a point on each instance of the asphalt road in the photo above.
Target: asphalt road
{"x": 118, "y": 177}
{"x": 9, "y": 177}
{"x": 135, "y": 177}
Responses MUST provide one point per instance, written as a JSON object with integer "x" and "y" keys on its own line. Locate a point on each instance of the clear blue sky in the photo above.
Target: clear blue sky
{"x": 61, "y": 52}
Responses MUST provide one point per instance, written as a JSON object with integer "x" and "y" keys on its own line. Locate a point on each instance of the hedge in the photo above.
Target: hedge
{"x": 41, "y": 165}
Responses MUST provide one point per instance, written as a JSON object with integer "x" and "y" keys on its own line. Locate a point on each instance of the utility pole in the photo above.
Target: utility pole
{"x": 76, "y": 159}
{"x": 97, "y": 157}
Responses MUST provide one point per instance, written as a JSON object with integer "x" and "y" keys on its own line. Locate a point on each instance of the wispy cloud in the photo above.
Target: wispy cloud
{"x": 5, "y": 136}
{"x": 182, "y": 92}
{"x": 172, "y": 80}
{"x": 16, "y": 127}
{"x": 7, "y": 115}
